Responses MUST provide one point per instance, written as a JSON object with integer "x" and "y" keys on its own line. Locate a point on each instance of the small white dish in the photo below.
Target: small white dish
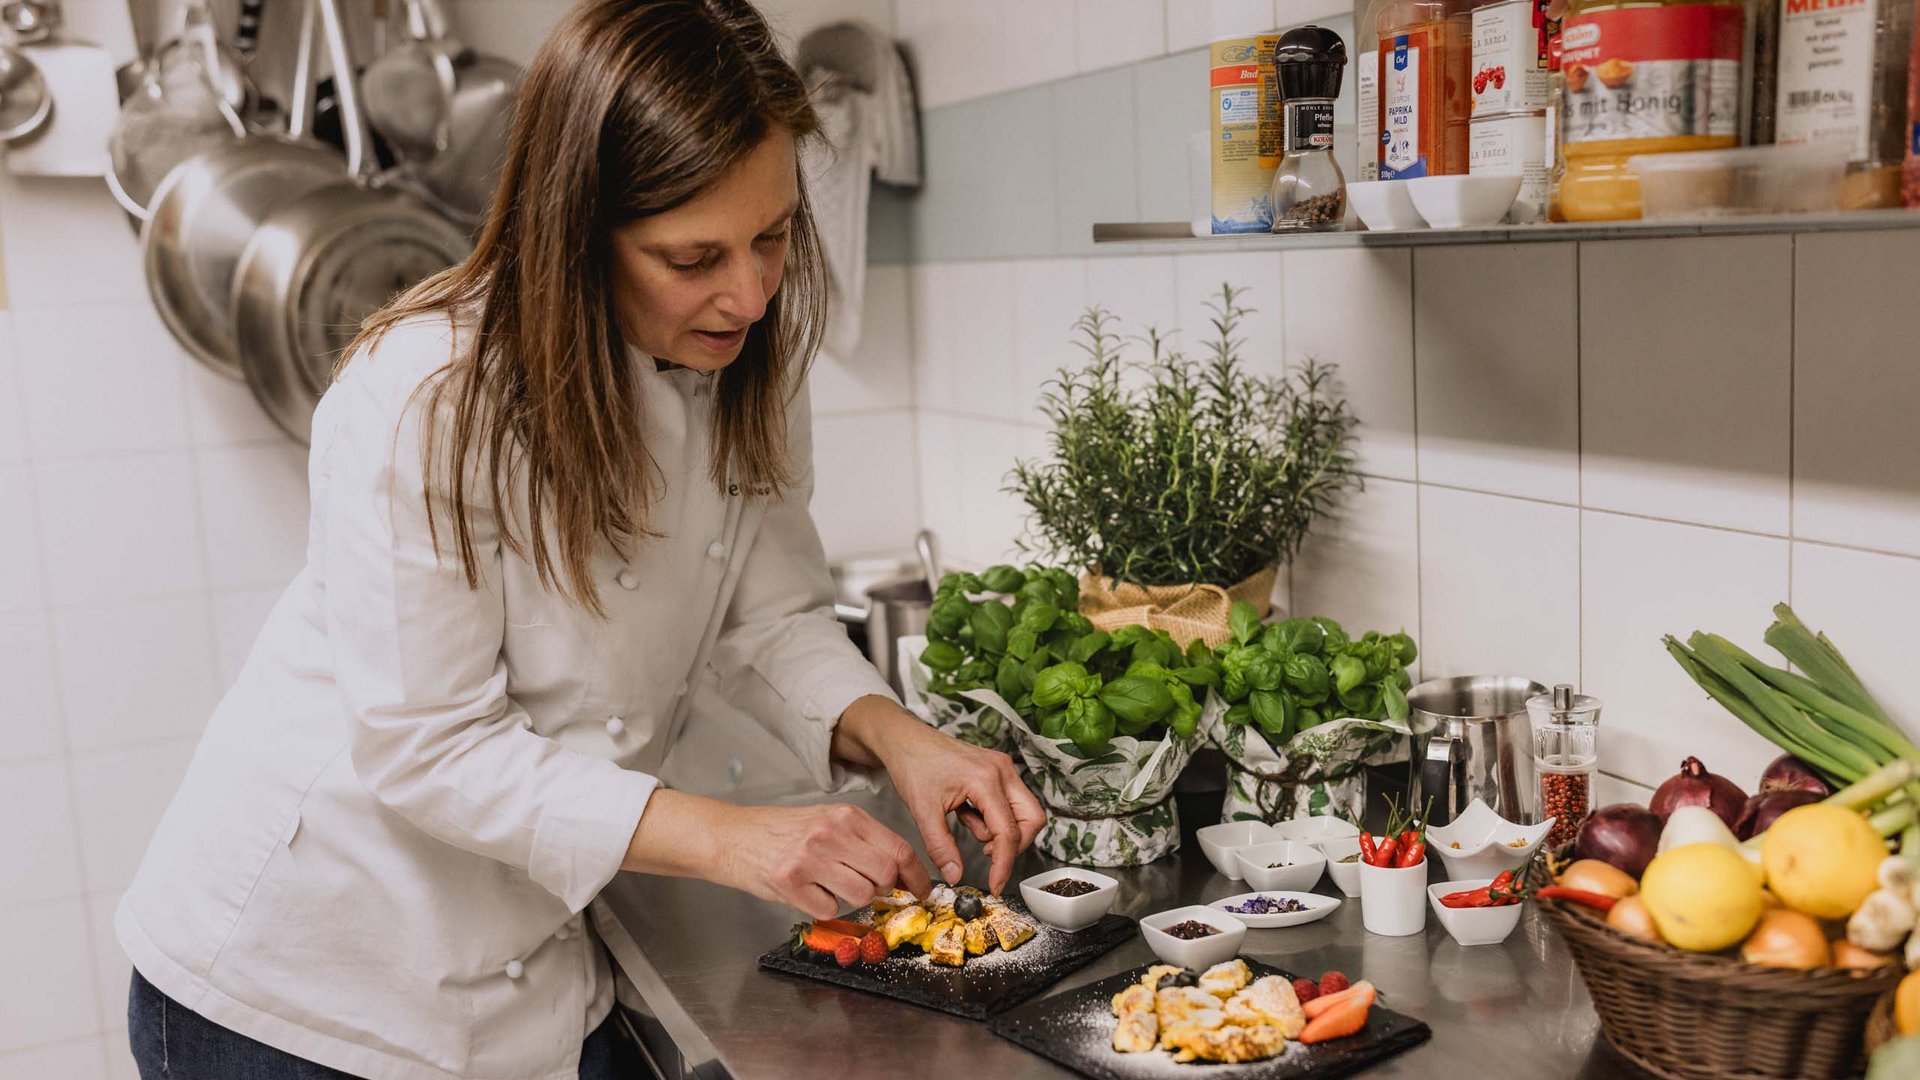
{"x": 1384, "y": 205}
{"x": 1302, "y": 865}
{"x": 1484, "y": 838}
{"x": 1391, "y": 899}
{"x": 1473, "y": 926}
{"x": 1344, "y": 874}
{"x": 1464, "y": 202}
{"x": 1317, "y": 907}
{"x": 1318, "y": 829}
{"x": 1199, "y": 953}
{"x": 1069, "y": 913}
{"x": 1219, "y": 841}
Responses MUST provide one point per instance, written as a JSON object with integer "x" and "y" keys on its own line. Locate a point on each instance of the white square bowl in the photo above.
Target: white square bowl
{"x": 1069, "y": 913}
{"x": 1473, "y": 926}
{"x": 1219, "y": 841}
{"x": 1200, "y": 953}
{"x": 1316, "y": 830}
{"x": 1317, "y": 907}
{"x": 1483, "y": 837}
{"x": 1304, "y": 865}
{"x": 1463, "y": 202}
{"x": 1345, "y": 875}
{"x": 1384, "y": 205}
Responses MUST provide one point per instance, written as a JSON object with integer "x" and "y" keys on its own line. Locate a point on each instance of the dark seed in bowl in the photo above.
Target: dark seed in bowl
{"x": 1355, "y": 857}
{"x": 1191, "y": 929}
{"x": 1069, "y": 886}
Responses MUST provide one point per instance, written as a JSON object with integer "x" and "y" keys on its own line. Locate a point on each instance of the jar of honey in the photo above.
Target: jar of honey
{"x": 1642, "y": 77}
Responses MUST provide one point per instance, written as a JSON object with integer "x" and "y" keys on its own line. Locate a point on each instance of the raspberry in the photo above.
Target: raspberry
{"x": 1305, "y": 990}
{"x": 1332, "y": 983}
{"x": 846, "y": 951}
{"x": 873, "y": 948}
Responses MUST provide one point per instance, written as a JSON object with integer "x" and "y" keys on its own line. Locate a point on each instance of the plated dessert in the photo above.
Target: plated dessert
{"x": 949, "y": 925}
{"x": 1222, "y": 1015}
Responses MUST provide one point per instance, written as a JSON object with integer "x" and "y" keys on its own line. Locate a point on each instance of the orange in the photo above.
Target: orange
{"x": 1906, "y": 1005}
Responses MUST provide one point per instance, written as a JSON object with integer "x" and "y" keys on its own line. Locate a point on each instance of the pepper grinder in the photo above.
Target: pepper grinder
{"x": 1309, "y": 193}
{"x": 1566, "y": 754}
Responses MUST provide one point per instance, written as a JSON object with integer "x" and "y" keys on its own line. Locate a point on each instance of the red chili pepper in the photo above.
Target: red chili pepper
{"x": 1597, "y": 901}
{"x": 1366, "y": 849}
{"x": 1385, "y": 851}
{"x": 1412, "y": 852}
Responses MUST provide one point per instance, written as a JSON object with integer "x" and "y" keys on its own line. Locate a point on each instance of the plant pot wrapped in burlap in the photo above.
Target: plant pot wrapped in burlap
{"x": 1300, "y": 710}
{"x": 1112, "y": 808}
{"x": 968, "y": 721}
{"x": 1186, "y": 612}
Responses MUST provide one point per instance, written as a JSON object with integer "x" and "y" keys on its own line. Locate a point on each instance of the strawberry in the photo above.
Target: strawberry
{"x": 1305, "y": 990}
{"x": 873, "y": 948}
{"x": 846, "y": 952}
{"x": 1333, "y": 982}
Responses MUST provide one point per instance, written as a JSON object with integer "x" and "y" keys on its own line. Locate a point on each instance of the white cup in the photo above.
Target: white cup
{"x": 1393, "y": 900}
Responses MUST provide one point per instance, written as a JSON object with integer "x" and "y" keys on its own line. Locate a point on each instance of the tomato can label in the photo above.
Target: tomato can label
{"x": 1653, "y": 72}
{"x": 1513, "y": 145}
{"x": 1509, "y": 57}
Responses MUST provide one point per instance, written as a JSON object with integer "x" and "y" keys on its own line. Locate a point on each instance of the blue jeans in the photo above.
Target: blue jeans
{"x": 171, "y": 1042}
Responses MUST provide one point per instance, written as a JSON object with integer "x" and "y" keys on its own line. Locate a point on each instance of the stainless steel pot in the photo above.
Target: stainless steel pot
{"x": 895, "y": 609}
{"x": 1472, "y": 741}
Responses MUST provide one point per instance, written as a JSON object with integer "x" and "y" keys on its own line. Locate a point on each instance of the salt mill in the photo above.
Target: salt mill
{"x": 1309, "y": 192}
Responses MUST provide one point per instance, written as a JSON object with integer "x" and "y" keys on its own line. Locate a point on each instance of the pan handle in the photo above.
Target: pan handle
{"x": 346, "y": 84}
{"x": 246, "y": 32}
{"x": 426, "y": 20}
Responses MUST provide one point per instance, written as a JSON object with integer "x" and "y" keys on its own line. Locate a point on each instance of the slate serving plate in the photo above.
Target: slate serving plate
{"x": 1075, "y": 1029}
{"x": 984, "y": 986}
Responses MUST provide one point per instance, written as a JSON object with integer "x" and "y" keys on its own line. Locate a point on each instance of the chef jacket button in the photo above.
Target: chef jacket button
{"x": 527, "y": 723}
{"x": 515, "y": 969}
{"x": 615, "y": 725}
{"x": 716, "y": 550}
{"x": 628, "y": 580}
{"x": 563, "y": 933}
{"x": 681, "y": 690}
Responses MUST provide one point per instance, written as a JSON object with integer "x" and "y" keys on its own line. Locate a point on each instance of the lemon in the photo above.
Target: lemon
{"x": 1703, "y": 897}
{"x": 1906, "y": 1005}
{"x": 1822, "y": 860}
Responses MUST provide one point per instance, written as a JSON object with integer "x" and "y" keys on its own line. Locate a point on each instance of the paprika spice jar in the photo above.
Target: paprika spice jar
{"x": 1566, "y": 755}
{"x": 1643, "y": 77}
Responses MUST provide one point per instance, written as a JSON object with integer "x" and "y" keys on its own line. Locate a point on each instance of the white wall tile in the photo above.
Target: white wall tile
{"x": 121, "y": 796}
{"x": 866, "y": 497}
{"x": 1496, "y": 368}
{"x": 1032, "y": 42}
{"x": 20, "y": 566}
{"x": 13, "y": 412}
{"x": 237, "y": 619}
{"x": 512, "y": 29}
{"x": 1499, "y": 587}
{"x": 941, "y": 509}
{"x": 120, "y": 1064}
{"x": 1362, "y": 567}
{"x": 1049, "y": 297}
{"x": 1685, "y": 368}
{"x": 1642, "y": 579}
{"x": 968, "y": 460}
{"x": 1109, "y": 33}
{"x": 1189, "y": 24}
{"x": 29, "y": 715}
{"x": 1856, "y": 467}
{"x": 37, "y": 833}
{"x": 1139, "y": 289}
{"x": 952, "y": 49}
{"x": 112, "y": 971}
{"x": 67, "y": 243}
{"x": 1168, "y": 111}
{"x": 1354, "y": 308}
{"x": 135, "y": 672}
{"x": 100, "y": 381}
{"x": 1294, "y": 12}
{"x": 1093, "y": 128}
{"x": 879, "y": 374}
{"x": 120, "y": 527}
{"x": 963, "y": 340}
{"x": 794, "y": 19}
{"x": 74, "y": 1059}
{"x": 52, "y": 1000}
{"x": 1608, "y": 789}
{"x": 1864, "y": 602}
{"x": 223, "y": 412}
{"x": 253, "y": 511}
{"x": 1255, "y": 276}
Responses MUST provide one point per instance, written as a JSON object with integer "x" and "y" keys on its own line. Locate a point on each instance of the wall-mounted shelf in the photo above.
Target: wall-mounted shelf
{"x": 1176, "y": 236}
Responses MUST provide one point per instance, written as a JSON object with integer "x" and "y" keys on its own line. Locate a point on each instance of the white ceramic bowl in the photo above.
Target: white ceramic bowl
{"x": 1316, "y": 830}
{"x": 1317, "y": 907}
{"x": 1473, "y": 926}
{"x": 1484, "y": 838}
{"x": 1384, "y": 205}
{"x": 1218, "y": 842}
{"x": 1345, "y": 875}
{"x": 1069, "y": 913}
{"x": 1463, "y": 202}
{"x": 1200, "y": 953}
{"x": 1304, "y": 865}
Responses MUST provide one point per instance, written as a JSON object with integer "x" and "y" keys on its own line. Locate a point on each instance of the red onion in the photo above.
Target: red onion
{"x": 1764, "y": 807}
{"x": 1623, "y": 835}
{"x": 1789, "y": 773}
{"x": 1695, "y": 786}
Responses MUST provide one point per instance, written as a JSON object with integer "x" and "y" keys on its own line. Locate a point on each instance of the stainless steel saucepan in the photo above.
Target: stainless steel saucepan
{"x": 1472, "y": 740}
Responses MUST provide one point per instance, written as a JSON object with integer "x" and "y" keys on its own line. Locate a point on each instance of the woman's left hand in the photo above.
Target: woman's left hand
{"x": 936, "y": 775}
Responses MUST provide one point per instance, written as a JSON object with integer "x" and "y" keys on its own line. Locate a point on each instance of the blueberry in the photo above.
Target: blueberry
{"x": 1183, "y": 977}
{"x": 967, "y": 906}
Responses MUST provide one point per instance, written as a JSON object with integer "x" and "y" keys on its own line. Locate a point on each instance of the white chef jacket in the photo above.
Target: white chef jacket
{"x": 380, "y": 853}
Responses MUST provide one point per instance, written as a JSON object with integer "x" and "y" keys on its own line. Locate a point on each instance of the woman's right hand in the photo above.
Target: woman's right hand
{"x": 820, "y": 859}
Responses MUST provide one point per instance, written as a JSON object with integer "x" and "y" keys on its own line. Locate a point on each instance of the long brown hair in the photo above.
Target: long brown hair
{"x": 630, "y": 108}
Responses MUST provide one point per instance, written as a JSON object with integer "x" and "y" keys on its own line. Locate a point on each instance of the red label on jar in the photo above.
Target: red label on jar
{"x": 1655, "y": 72}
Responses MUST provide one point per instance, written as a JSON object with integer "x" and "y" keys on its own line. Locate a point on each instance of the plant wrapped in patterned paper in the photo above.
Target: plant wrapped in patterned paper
{"x": 1300, "y": 709}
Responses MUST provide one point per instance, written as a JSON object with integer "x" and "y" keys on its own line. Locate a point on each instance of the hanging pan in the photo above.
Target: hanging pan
{"x": 321, "y": 263}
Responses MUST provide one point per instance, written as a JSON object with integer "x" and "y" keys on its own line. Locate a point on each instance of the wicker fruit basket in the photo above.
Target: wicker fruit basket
{"x": 1880, "y": 1028}
{"x": 1699, "y": 1016}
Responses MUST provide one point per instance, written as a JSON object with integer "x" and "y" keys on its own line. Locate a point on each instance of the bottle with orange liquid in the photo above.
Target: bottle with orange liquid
{"x": 1643, "y": 78}
{"x": 1424, "y": 86}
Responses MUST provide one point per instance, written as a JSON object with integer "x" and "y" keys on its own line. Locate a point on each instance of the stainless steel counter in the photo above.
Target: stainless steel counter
{"x": 690, "y": 948}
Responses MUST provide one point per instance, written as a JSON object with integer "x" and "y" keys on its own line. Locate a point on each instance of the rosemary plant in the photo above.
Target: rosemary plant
{"x": 1183, "y": 470}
